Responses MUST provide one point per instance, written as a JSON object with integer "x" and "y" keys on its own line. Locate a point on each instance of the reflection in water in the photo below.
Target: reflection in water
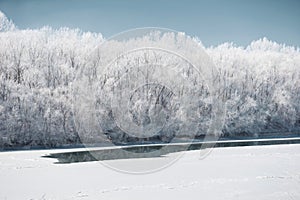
{"x": 151, "y": 151}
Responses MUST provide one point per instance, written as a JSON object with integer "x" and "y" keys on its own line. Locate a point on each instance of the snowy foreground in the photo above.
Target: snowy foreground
{"x": 257, "y": 172}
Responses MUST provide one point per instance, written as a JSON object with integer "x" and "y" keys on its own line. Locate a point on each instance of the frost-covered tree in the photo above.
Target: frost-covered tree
{"x": 5, "y": 23}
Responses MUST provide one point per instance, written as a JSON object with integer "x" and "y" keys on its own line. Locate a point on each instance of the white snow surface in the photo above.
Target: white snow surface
{"x": 257, "y": 172}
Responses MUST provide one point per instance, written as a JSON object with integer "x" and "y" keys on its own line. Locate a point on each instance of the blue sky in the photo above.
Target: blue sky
{"x": 213, "y": 21}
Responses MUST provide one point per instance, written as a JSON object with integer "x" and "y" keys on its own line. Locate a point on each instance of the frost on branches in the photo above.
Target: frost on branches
{"x": 261, "y": 86}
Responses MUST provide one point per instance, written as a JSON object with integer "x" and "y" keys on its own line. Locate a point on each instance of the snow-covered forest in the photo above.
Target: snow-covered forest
{"x": 261, "y": 85}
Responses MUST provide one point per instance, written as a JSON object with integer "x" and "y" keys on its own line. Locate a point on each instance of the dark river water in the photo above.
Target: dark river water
{"x": 158, "y": 150}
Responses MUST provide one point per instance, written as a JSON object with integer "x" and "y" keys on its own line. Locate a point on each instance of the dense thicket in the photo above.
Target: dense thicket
{"x": 37, "y": 68}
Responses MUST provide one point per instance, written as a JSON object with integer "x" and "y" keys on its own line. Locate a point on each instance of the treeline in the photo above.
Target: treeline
{"x": 37, "y": 68}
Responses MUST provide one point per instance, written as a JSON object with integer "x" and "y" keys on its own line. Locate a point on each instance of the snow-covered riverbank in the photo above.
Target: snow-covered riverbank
{"x": 257, "y": 172}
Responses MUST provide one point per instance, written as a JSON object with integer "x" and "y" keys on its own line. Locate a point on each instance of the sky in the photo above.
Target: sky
{"x": 212, "y": 21}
